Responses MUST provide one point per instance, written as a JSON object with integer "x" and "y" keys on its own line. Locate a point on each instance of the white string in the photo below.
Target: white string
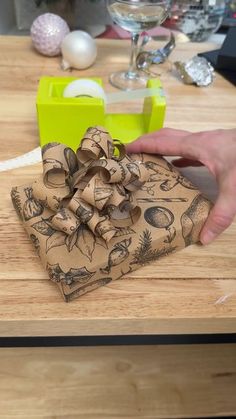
{"x": 26, "y": 159}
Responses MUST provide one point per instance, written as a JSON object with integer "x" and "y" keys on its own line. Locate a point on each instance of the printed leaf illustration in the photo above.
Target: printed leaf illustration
{"x": 74, "y": 275}
{"x": 71, "y": 240}
{"x": 144, "y": 252}
{"x": 44, "y": 227}
{"x": 55, "y": 240}
{"x": 48, "y": 146}
{"x": 85, "y": 241}
{"x": 35, "y": 242}
{"x": 80, "y": 275}
{"x": 104, "y": 281}
{"x": 48, "y": 221}
{"x": 15, "y": 196}
{"x": 101, "y": 242}
{"x": 55, "y": 272}
{"x": 71, "y": 160}
{"x": 145, "y": 243}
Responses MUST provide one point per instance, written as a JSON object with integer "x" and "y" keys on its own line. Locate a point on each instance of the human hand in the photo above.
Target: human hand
{"x": 214, "y": 149}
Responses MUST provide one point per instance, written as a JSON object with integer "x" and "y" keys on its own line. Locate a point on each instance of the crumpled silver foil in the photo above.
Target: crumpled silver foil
{"x": 196, "y": 71}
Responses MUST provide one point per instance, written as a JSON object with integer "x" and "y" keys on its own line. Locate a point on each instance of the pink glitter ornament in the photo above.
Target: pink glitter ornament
{"x": 47, "y": 33}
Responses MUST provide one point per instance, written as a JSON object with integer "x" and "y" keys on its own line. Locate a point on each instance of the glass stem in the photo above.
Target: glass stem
{"x": 132, "y": 72}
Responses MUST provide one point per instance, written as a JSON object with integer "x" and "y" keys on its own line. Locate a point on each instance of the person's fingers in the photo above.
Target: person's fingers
{"x": 167, "y": 142}
{"x": 186, "y": 163}
{"x": 151, "y": 143}
{"x": 216, "y": 150}
{"x": 221, "y": 215}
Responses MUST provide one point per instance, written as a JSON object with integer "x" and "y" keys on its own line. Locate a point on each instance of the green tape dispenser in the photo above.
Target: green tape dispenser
{"x": 67, "y": 106}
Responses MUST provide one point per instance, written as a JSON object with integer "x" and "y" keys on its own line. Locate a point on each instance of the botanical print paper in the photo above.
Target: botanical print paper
{"x": 98, "y": 214}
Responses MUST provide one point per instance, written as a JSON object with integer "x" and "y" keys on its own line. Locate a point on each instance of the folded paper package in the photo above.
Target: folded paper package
{"x": 97, "y": 214}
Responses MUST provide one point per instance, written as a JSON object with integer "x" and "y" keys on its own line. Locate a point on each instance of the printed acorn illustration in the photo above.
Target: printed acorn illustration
{"x": 117, "y": 255}
{"x": 32, "y": 207}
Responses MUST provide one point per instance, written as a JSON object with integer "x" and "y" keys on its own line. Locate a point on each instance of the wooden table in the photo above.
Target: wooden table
{"x": 178, "y": 295}
{"x": 191, "y": 292}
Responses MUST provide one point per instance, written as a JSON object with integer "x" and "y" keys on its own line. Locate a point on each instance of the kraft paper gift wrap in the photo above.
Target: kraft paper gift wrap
{"x": 98, "y": 214}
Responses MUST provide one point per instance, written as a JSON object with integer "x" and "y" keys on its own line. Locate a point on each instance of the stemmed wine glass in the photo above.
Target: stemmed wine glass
{"x": 135, "y": 16}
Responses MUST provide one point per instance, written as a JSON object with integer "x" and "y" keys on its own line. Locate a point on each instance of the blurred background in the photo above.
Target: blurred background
{"x": 198, "y": 19}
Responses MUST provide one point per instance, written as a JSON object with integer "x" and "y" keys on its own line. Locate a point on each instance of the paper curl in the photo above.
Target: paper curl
{"x": 93, "y": 186}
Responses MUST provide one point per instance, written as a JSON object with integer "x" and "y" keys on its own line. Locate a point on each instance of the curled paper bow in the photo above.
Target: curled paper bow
{"x": 92, "y": 186}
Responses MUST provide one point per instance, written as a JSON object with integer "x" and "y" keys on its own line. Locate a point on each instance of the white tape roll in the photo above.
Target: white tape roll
{"x": 84, "y": 87}
{"x": 90, "y": 88}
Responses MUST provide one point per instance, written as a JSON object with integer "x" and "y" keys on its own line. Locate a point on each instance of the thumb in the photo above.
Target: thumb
{"x": 167, "y": 142}
{"x": 220, "y": 217}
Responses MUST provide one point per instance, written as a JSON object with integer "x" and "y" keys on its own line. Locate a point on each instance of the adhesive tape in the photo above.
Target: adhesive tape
{"x": 32, "y": 157}
{"x": 84, "y": 87}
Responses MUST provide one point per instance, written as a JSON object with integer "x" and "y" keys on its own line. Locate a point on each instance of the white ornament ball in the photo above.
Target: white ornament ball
{"x": 79, "y": 50}
{"x": 47, "y": 32}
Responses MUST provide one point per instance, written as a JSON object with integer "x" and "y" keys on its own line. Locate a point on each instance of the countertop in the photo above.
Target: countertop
{"x": 192, "y": 291}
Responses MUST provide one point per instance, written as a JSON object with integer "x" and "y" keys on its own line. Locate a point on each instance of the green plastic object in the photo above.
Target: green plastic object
{"x": 66, "y": 120}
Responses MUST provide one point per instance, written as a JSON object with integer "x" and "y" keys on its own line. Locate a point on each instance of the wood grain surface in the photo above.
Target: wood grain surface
{"x": 193, "y": 291}
{"x": 145, "y": 382}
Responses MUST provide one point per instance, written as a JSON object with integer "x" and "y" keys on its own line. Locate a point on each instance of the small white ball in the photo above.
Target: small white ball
{"x": 47, "y": 32}
{"x": 79, "y": 50}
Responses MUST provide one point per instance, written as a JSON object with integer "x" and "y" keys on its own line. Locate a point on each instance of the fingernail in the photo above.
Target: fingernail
{"x": 207, "y": 237}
